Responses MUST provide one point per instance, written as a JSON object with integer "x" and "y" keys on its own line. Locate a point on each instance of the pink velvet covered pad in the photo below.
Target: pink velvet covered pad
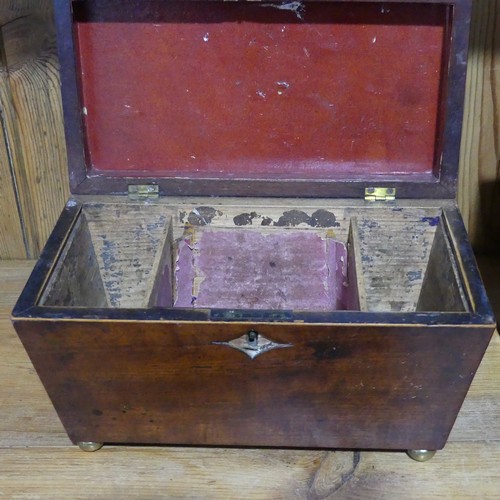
{"x": 247, "y": 269}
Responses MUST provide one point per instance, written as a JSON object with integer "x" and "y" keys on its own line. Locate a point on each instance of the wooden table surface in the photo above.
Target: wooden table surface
{"x": 38, "y": 461}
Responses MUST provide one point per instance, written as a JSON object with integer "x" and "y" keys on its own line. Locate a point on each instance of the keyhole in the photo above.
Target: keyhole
{"x": 253, "y": 337}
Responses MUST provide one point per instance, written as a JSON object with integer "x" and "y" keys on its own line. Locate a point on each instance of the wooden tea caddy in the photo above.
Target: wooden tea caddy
{"x": 263, "y": 247}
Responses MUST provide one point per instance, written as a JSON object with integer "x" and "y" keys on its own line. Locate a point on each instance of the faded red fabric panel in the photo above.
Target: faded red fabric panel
{"x": 257, "y": 91}
{"x": 245, "y": 269}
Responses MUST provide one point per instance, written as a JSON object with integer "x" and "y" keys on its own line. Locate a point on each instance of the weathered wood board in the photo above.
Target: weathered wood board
{"x": 479, "y": 172}
{"x": 32, "y": 126}
{"x": 12, "y": 243}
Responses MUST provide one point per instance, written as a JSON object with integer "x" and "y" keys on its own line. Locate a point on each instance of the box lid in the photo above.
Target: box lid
{"x": 263, "y": 98}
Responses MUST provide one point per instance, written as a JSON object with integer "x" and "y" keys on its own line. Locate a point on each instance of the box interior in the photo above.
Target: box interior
{"x": 380, "y": 259}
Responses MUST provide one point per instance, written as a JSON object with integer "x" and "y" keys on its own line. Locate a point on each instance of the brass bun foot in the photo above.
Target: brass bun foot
{"x": 89, "y": 446}
{"x": 421, "y": 455}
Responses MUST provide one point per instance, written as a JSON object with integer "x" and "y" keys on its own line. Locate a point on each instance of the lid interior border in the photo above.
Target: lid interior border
{"x": 441, "y": 184}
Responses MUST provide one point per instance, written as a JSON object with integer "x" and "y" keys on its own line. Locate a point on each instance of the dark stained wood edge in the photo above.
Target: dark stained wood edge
{"x": 455, "y": 92}
{"x": 467, "y": 265}
{"x": 175, "y": 315}
{"x": 83, "y": 182}
{"x": 73, "y": 123}
{"x": 333, "y": 188}
{"x": 441, "y": 115}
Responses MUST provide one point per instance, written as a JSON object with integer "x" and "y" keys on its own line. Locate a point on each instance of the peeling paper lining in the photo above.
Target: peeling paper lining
{"x": 251, "y": 270}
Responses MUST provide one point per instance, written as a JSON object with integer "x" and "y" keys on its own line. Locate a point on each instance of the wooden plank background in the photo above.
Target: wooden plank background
{"x": 33, "y": 177}
{"x": 34, "y": 183}
{"x": 479, "y": 179}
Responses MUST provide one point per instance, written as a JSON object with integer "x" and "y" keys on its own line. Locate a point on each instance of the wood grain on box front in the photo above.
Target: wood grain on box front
{"x": 32, "y": 123}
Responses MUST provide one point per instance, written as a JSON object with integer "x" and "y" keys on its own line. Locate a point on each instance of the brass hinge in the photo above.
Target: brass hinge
{"x": 380, "y": 194}
{"x": 142, "y": 191}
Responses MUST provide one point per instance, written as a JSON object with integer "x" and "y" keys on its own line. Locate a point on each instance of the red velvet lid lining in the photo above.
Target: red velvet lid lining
{"x": 247, "y": 90}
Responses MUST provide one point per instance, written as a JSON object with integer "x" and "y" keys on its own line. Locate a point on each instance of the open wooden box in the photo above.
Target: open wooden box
{"x": 263, "y": 248}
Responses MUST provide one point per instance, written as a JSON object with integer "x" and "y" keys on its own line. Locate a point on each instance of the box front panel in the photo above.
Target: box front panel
{"x": 339, "y": 386}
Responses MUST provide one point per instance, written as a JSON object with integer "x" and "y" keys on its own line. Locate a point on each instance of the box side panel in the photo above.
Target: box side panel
{"x": 338, "y": 386}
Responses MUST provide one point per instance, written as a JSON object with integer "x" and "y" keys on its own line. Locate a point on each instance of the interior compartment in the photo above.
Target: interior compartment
{"x": 441, "y": 288}
{"x": 360, "y": 258}
{"x": 76, "y": 279}
{"x": 263, "y": 269}
{"x": 126, "y": 261}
